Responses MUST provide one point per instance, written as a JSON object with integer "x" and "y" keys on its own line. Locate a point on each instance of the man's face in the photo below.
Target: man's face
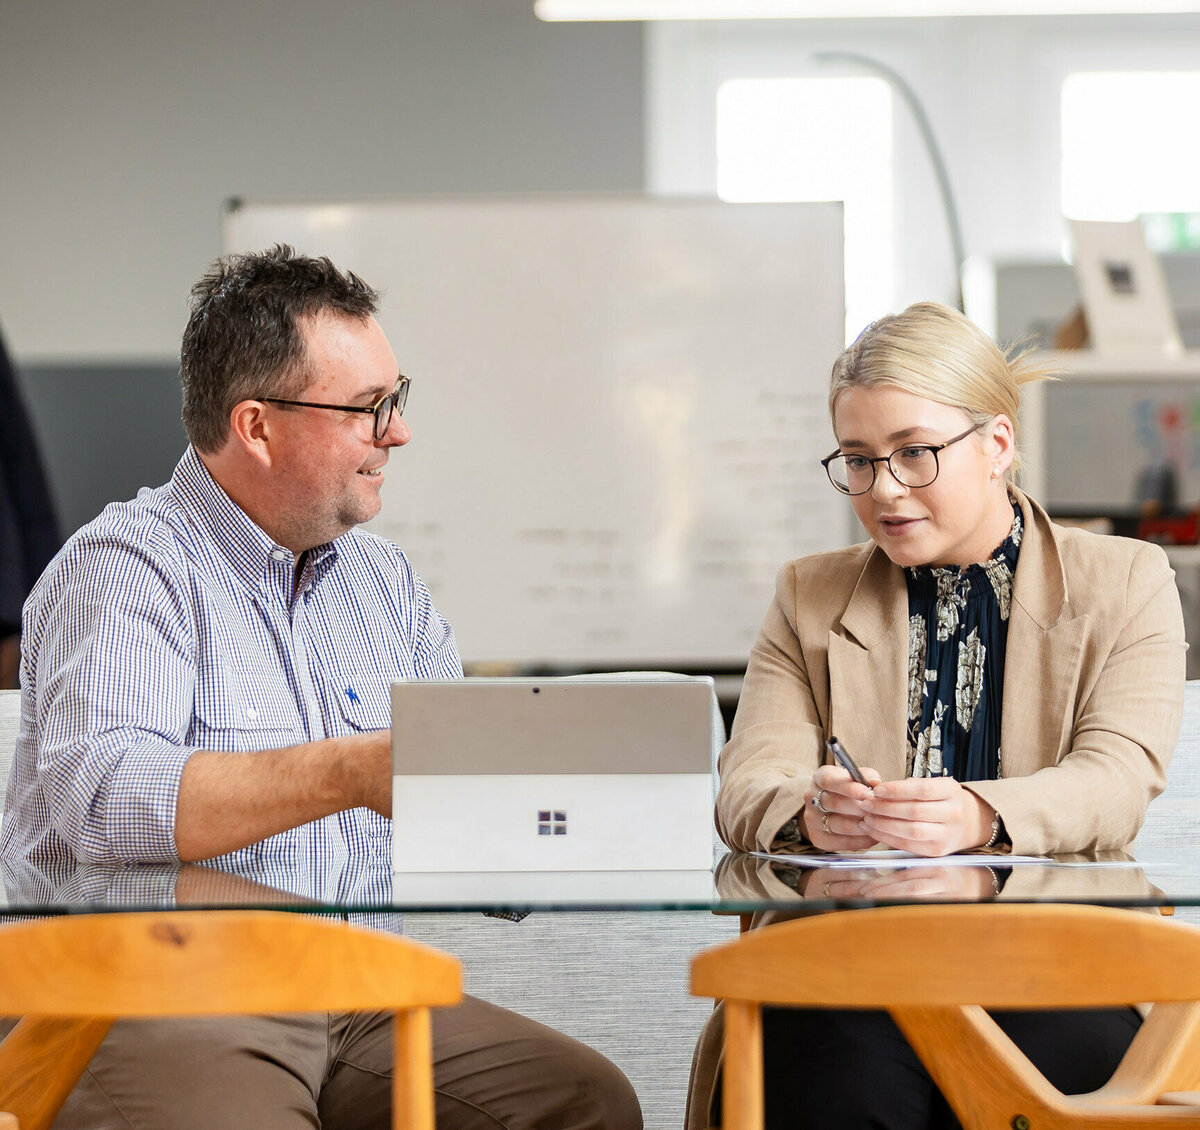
{"x": 328, "y": 468}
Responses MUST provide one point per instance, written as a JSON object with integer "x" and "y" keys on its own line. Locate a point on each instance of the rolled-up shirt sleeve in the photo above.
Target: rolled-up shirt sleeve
{"x": 435, "y": 655}
{"x": 113, "y": 699}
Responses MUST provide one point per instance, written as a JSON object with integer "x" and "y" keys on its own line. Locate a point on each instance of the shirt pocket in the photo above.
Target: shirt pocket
{"x": 238, "y": 715}
{"x": 363, "y": 707}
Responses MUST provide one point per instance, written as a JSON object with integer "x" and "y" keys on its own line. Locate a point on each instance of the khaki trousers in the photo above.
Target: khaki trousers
{"x": 492, "y": 1068}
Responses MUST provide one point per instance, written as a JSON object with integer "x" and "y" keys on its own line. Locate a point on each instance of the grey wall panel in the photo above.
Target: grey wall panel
{"x": 105, "y": 431}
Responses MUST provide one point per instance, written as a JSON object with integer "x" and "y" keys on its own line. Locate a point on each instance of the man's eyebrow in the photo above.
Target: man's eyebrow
{"x": 375, "y": 392}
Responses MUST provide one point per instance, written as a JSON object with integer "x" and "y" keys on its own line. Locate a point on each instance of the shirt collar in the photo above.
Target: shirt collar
{"x": 255, "y": 558}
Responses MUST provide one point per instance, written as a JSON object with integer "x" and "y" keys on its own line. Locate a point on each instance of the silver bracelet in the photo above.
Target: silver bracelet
{"x": 991, "y": 840}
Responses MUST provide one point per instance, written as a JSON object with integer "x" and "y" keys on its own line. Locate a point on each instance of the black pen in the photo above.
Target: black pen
{"x": 845, "y": 760}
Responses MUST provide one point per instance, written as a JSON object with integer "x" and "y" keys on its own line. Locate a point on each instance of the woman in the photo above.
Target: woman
{"x": 1005, "y": 683}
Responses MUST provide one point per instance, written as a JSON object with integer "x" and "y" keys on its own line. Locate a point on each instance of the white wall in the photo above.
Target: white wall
{"x": 127, "y": 123}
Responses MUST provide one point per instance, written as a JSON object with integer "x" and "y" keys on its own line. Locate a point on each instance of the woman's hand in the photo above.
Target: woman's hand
{"x": 927, "y": 816}
{"x": 836, "y": 823}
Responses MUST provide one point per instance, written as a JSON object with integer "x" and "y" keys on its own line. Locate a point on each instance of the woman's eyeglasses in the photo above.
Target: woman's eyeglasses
{"x": 913, "y": 465}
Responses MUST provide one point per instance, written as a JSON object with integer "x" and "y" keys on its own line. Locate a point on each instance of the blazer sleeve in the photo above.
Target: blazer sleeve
{"x": 1093, "y": 794}
{"x": 777, "y": 738}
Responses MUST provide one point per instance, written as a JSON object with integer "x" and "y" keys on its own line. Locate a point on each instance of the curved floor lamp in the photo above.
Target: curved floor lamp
{"x": 935, "y": 155}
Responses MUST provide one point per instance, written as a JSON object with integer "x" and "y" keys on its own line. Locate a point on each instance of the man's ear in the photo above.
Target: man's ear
{"x": 250, "y": 428}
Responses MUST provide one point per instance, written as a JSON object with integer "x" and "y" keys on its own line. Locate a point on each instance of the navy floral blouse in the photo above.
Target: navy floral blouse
{"x": 957, "y": 637}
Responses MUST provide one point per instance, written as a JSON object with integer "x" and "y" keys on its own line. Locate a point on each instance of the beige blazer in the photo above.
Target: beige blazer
{"x": 1093, "y": 689}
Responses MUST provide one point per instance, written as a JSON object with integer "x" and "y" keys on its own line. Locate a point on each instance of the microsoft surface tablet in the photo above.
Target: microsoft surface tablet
{"x": 557, "y": 774}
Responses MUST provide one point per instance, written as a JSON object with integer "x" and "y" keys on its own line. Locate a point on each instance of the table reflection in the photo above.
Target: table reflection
{"x": 1101, "y": 877}
{"x": 739, "y": 883}
{"x": 69, "y": 886}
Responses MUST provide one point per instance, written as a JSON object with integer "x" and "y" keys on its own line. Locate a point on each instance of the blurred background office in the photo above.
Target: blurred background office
{"x": 128, "y": 124}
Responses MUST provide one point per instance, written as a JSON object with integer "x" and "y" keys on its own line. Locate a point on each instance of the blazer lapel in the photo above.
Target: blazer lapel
{"x": 868, "y": 669}
{"x": 1042, "y": 665}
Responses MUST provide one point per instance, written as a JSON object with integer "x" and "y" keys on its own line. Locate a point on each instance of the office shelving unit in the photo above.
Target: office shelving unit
{"x": 1088, "y": 367}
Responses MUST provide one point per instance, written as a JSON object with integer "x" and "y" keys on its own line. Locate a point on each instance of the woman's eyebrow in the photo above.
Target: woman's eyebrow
{"x": 894, "y": 437}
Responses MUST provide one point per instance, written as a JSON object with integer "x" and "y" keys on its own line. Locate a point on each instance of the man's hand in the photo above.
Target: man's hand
{"x": 367, "y": 762}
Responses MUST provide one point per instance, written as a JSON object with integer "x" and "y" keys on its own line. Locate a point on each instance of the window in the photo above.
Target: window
{"x": 813, "y": 139}
{"x": 1127, "y": 144}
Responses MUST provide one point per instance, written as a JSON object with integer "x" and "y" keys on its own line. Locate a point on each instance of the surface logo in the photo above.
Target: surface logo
{"x": 552, "y": 822}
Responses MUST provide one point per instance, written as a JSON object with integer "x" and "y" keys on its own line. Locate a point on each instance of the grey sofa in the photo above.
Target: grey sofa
{"x": 619, "y": 982}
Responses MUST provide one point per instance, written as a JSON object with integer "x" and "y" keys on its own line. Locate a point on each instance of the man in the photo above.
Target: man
{"x": 206, "y": 674}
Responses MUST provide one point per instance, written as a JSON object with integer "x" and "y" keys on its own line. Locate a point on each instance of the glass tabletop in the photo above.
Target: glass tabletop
{"x": 739, "y": 883}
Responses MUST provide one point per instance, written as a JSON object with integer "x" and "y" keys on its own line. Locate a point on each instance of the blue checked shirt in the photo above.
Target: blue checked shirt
{"x": 172, "y": 623}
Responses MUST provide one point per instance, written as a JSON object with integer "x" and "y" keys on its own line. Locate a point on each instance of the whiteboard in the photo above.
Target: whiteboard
{"x": 617, "y": 406}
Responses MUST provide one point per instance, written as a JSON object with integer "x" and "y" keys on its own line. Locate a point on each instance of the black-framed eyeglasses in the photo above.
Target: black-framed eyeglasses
{"x": 913, "y": 465}
{"x": 382, "y": 409}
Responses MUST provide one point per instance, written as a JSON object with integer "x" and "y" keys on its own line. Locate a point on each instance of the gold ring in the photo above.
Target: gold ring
{"x": 825, "y": 822}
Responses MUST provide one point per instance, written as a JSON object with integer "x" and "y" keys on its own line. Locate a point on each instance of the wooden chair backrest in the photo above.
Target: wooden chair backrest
{"x": 69, "y": 977}
{"x": 213, "y": 962}
{"x": 1016, "y": 956}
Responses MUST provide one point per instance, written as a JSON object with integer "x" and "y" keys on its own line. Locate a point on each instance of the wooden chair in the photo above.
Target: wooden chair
{"x": 936, "y": 968}
{"x": 70, "y": 977}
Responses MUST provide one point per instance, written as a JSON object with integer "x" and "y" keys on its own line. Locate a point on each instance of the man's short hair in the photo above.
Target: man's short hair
{"x": 243, "y": 341}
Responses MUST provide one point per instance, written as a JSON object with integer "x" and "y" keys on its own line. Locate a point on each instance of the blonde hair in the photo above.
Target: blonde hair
{"x": 937, "y": 353}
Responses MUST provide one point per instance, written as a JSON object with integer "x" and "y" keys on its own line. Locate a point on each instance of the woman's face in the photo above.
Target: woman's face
{"x": 959, "y": 518}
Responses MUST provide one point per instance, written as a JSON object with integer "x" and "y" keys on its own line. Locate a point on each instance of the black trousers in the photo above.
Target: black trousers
{"x": 827, "y": 1069}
